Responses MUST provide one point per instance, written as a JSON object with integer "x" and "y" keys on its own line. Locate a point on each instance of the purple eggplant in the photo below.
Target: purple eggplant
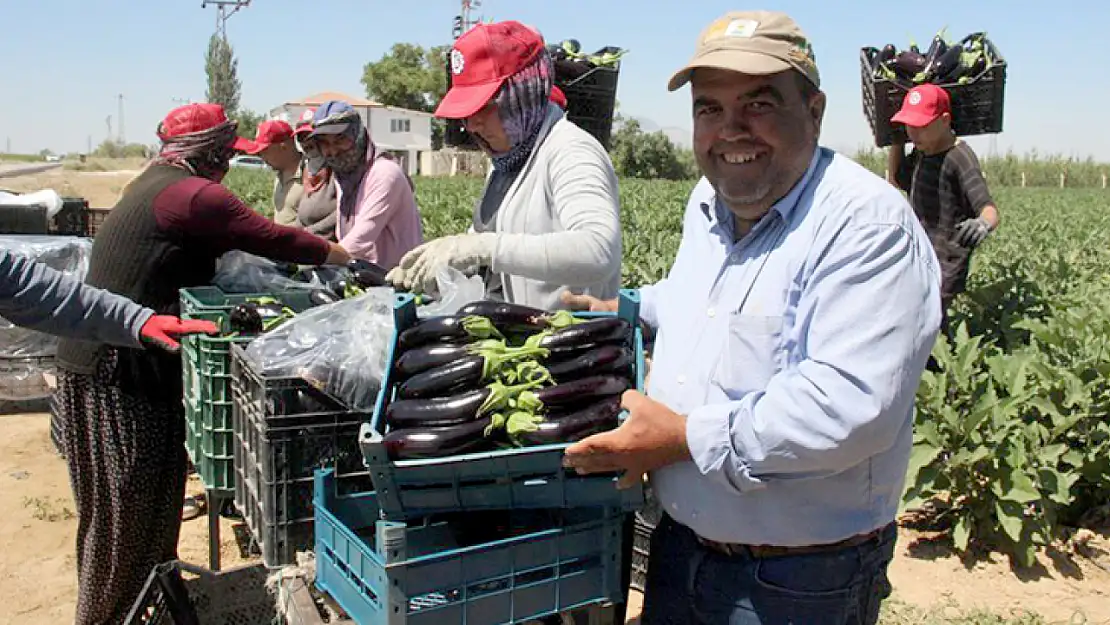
{"x": 580, "y": 391}
{"x": 908, "y": 64}
{"x": 322, "y": 297}
{"x": 574, "y": 426}
{"x": 437, "y": 411}
{"x": 466, "y": 372}
{"x": 508, "y": 317}
{"x": 594, "y": 332}
{"x": 447, "y": 329}
{"x": 420, "y": 359}
{"x": 435, "y": 442}
{"x": 604, "y": 359}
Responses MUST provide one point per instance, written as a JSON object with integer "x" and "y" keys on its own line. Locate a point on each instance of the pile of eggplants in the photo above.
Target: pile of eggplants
{"x": 256, "y": 316}
{"x": 498, "y": 375}
{"x": 943, "y": 63}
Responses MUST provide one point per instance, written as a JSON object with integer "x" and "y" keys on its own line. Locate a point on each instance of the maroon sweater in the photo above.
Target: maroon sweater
{"x": 165, "y": 234}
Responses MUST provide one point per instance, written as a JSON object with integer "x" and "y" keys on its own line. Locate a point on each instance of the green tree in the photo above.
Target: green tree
{"x": 639, "y": 154}
{"x": 222, "y": 67}
{"x": 248, "y": 122}
{"x": 110, "y": 148}
{"x": 409, "y": 77}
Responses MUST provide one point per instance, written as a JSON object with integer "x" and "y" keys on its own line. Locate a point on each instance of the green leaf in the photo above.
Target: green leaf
{"x": 961, "y": 533}
{"x": 1009, "y": 519}
{"x": 1021, "y": 489}
{"x": 921, "y": 456}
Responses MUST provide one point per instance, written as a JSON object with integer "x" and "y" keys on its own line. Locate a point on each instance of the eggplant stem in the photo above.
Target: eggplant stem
{"x": 480, "y": 327}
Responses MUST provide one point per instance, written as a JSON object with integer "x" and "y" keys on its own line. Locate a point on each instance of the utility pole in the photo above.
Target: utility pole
{"x": 109, "y": 122}
{"x": 120, "y": 120}
{"x": 224, "y": 10}
{"x": 463, "y": 23}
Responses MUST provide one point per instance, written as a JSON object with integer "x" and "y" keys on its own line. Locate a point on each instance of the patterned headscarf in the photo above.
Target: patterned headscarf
{"x": 204, "y": 153}
{"x": 522, "y": 106}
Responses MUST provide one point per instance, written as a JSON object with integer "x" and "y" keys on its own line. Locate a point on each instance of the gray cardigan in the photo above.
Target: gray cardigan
{"x": 36, "y": 296}
{"x": 558, "y": 226}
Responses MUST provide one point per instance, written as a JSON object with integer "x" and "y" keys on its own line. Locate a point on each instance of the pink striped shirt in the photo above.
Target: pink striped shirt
{"x": 385, "y": 223}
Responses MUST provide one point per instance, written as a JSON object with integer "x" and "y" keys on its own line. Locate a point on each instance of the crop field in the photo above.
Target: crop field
{"x": 1013, "y": 447}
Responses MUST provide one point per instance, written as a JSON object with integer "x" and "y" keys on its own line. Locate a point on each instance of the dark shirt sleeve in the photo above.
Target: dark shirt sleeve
{"x": 904, "y": 176}
{"x": 207, "y": 211}
{"x": 973, "y": 185}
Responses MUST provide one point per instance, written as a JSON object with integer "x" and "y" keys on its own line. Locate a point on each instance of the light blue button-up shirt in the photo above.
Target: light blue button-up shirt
{"x": 795, "y": 354}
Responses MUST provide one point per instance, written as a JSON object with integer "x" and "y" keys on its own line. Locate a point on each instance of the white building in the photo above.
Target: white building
{"x": 403, "y": 132}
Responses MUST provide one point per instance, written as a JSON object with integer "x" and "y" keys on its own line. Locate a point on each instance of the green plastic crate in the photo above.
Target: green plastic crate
{"x": 206, "y": 377}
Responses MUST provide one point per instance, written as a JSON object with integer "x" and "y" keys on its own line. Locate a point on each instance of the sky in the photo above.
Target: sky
{"x": 62, "y": 72}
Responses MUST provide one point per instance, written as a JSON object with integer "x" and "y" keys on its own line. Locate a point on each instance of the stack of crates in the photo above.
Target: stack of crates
{"x": 502, "y": 536}
{"x": 206, "y": 393}
{"x": 284, "y": 429}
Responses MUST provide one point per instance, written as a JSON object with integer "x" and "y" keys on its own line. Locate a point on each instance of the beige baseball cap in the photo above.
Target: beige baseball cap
{"x": 752, "y": 42}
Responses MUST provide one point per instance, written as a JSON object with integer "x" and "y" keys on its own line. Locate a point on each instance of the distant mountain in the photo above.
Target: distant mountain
{"x": 681, "y": 137}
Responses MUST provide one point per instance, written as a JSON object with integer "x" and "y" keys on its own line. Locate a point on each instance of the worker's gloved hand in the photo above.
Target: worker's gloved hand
{"x": 162, "y": 330}
{"x": 466, "y": 253}
{"x": 971, "y": 232}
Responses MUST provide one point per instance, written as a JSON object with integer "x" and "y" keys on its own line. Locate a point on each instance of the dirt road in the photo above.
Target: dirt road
{"x": 11, "y": 170}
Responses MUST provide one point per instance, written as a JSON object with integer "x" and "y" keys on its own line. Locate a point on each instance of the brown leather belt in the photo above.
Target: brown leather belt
{"x": 757, "y": 552}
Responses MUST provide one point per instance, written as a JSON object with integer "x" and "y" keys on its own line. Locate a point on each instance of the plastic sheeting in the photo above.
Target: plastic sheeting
{"x": 26, "y": 356}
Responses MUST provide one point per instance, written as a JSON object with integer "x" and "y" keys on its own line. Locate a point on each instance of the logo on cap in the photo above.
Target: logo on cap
{"x": 729, "y": 27}
{"x": 457, "y": 62}
{"x": 915, "y": 98}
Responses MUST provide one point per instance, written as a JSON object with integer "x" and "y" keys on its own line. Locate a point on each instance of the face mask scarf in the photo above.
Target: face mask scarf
{"x": 522, "y": 107}
{"x": 350, "y": 161}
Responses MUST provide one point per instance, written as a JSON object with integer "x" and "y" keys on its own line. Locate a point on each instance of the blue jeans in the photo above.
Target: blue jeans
{"x": 689, "y": 583}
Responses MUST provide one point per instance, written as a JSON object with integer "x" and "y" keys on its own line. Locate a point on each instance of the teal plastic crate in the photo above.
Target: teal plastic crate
{"x": 528, "y": 477}
{"x": 206, "y": 378}
{"x": 437, "y": 572}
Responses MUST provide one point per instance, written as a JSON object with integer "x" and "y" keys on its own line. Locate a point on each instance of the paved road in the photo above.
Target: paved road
{"x": 11, "y": 170}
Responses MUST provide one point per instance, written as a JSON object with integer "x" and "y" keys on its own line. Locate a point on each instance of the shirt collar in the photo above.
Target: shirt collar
{"x": 716, "y": 213}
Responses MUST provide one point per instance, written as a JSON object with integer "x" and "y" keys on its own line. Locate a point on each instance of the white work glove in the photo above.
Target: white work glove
{"x": 971, "y": 232}
{"x": 467, "y": 253}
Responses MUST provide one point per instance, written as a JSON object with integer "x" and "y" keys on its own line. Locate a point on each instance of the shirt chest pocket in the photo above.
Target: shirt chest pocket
{"x": 751, "y": 355}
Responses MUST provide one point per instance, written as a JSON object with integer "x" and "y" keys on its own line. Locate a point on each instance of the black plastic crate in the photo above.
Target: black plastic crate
{"x": 23, "y": 378}
{"x": 977, "y": 107}
{"x": 71, "y": 220}
{"x": 591, "y": 100}
{"x": 646, "y": 520}
{"x": 284, "y": 430}
{"x": 234, "y": 597}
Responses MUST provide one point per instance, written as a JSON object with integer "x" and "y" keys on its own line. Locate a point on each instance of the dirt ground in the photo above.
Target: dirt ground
{"x": 38, "y": 576}
{"x": 100, "y": 188}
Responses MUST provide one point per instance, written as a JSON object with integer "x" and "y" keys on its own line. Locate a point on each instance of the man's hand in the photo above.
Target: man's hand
{"x": 971, "y": 232}
{"x": 162, "y": 330}
{"x": 653, "y": 436}
{"x": 587, "y": 302}
{"x": 465, "y": 252}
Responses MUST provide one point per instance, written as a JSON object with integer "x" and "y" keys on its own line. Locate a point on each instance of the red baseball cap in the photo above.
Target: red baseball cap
{"x": 304, "y": 122}
{"x": 270, "y": 132}
{"x": 558, "y": 97}
{"x": 481, "y": 60}
{"x": 197, "y": 117}
{"x": 924, "y": 104}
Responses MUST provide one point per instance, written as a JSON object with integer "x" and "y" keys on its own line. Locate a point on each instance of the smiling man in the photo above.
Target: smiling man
{"x": 793, "y": 329}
